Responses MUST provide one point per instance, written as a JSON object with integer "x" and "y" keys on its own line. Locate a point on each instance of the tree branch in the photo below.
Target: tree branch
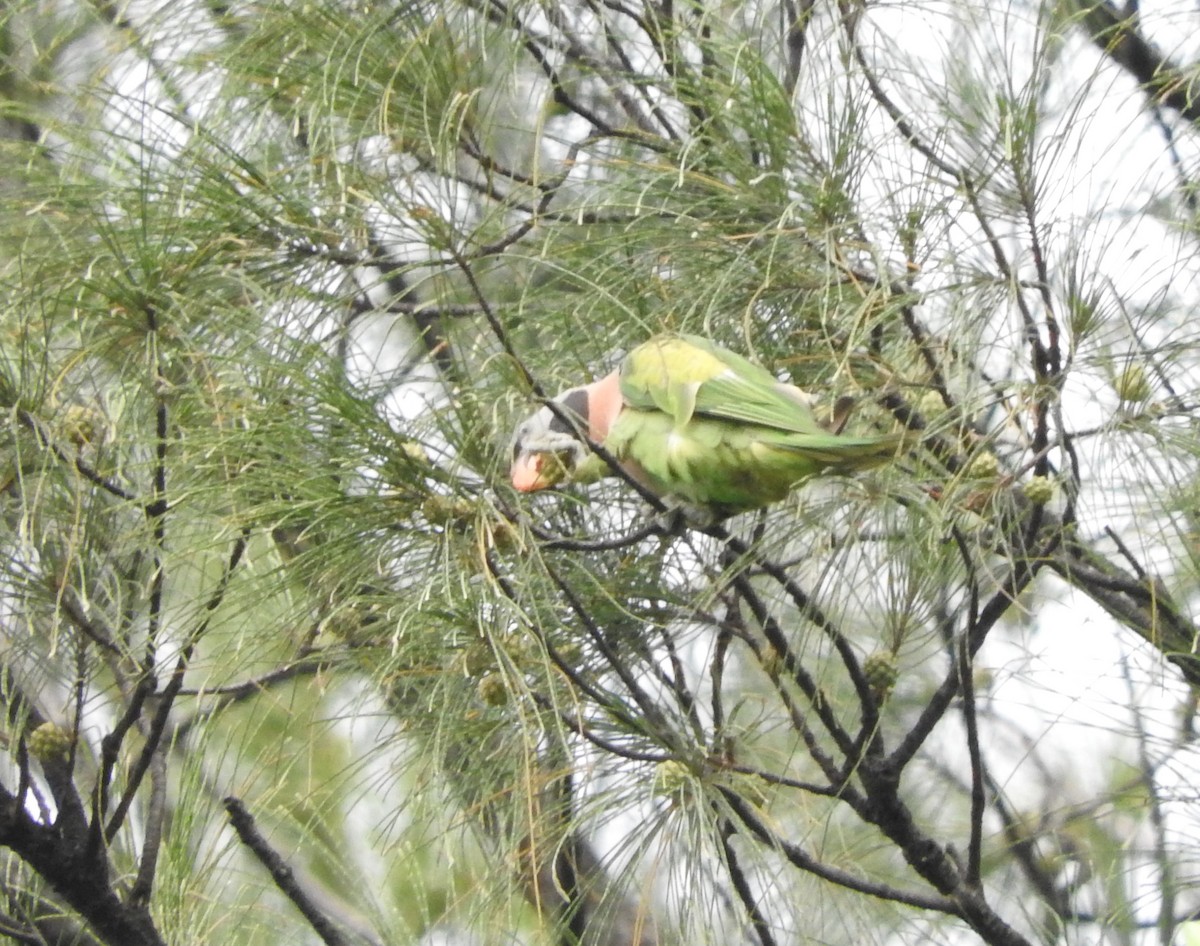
{"x": 243, "y": 823}
{"x": 1117, "y": 36}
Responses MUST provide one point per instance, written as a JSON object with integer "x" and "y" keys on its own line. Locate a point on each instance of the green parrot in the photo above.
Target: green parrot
{"x": 694, "y": 423}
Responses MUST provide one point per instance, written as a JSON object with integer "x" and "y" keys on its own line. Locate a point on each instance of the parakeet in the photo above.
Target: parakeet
{"x": 695, "y": 424}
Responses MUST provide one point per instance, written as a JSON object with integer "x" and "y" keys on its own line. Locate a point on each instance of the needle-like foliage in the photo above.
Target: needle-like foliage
{"x": 284, "y": 657}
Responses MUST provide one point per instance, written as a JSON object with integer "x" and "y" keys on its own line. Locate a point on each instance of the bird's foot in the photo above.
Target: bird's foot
{"x": 557, "y": 443}
{"x": 680, "y": 516}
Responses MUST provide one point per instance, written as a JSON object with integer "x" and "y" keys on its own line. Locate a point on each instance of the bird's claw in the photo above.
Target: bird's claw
{"x": 679, "y": 516}
{"x": 552, "y": 442}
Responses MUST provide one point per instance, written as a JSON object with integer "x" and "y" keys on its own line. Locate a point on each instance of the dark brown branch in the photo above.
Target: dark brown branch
{"x": 978, "y": 799}
{"x": 716, "y": 674}
{"x": 762, "y": 929}
{"x": 1167, "y": 882}
{"x": 795, "y": 38}
{"x": 35, "y": 426}
{"x": 809, "y": 611}
{"x": 1022, "y": 844}
{"x": 614, "y": 42}
{"x": 60, "y": 853}
{"x": 42, "y": 923}
{"x": 499, "y": 14}
{"x": 1141, "y": 604}
{"x": 1021, "y": 573}
{"x": 566, "y": 543}
{"x": 1117, "y": 36}
{"x": 929, "y": 859}
{"x": 158, "y": 724}
{"x": 798, "y": 857}
{"x": 804, "y": 680}
{"x": 92, "y": 627}
{"x": 281, "y": 873}
{"x": 653, "y": 715}
{"x": 578, "y": 726}
{"x": 788, "y": 662}
{"x": 304, "y": 664}
{"x": 786, "y": 781}
{"x": 155, "y": 512}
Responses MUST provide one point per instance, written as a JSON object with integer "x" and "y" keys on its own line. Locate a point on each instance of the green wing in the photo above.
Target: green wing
{"x": 686, "y": 375}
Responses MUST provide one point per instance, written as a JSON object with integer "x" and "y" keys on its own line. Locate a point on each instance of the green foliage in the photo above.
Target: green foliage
{"x": 279, "y": 277}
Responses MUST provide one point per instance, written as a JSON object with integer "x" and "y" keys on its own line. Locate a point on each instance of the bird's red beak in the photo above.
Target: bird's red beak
{"x": 533, "y": 471}
{"x": 526, "y": 473}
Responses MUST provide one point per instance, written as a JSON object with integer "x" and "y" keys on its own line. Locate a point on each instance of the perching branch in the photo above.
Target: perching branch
{"x": 283, "y": 876}
{"x": 1117, "y": 35}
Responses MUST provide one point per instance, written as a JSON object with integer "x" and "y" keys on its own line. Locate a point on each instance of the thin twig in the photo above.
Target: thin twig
{"x": 973, "y": 877}
{"x": 800, "y": 858}
{"x": 1166, "y": 881}
{"x": 778, "y": 641}
{"x": 652, "y": 713}
{"x": 741, "y": 886}
{"x": 153, "y": 747}
{"x": 281, "y": 873}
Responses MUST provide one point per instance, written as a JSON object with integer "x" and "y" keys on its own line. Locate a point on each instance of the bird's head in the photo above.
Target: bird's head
{"x": 546, "y": 449}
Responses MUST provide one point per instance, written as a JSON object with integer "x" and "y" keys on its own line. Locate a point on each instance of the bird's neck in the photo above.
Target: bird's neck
{"x": 604, "y": 406}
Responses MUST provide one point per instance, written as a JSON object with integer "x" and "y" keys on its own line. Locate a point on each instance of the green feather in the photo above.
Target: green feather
{"x": 685, "y": 374}
{"x": 713, "y": 429}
